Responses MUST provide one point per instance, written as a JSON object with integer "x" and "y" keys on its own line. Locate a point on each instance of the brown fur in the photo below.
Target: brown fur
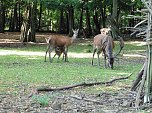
{"x": 59, "y": 51}
{"x": 105, "y": 44}
{"x": 60, "y": 41}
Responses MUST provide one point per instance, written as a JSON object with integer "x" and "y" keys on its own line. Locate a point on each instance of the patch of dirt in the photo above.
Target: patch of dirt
{"x": 12, "y": 39}
{"x": 71, "y": 101}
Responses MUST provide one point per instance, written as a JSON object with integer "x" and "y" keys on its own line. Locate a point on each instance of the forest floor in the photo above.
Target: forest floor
{"x": 68, "y": 101}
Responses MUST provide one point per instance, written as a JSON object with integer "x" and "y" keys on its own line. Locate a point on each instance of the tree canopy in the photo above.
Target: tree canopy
{"x": 64, "y": 15}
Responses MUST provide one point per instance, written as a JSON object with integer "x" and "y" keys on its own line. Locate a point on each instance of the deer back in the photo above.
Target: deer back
{"x": 61, "y": 41}
{"x": 107, "y": 46}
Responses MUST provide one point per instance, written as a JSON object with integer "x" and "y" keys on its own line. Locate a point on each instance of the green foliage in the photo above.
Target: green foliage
{"x": 43, "y": 100}
{"x": 50, "y": 11}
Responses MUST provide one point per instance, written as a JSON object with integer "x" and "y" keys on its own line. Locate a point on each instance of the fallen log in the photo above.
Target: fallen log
{"x": 82, "y": 84}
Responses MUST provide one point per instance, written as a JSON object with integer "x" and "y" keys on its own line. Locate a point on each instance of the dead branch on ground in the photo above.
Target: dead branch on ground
{"x": 82, "y": 84}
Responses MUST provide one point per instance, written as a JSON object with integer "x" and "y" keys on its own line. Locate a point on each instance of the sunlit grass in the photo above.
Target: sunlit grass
{"x": 32, "y": 71}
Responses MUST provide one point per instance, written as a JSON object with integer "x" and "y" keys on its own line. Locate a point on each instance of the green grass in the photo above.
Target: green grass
{"x": 32, "y": 71}
{"x": 43, "y": 100}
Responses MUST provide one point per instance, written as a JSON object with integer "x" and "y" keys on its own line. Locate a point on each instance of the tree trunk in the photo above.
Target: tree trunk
{"x": 61, "y": 26}
{"x": 148, "y": 94}
{"x": 67, "y": 23}
{"x": 81, "y": 22}
{"x": 71, "y": 20}
{"x": 96, "y": 21}
{"x": 19, "y": 16}
{"x": 15, "y": 18}
{"x": 11, "y": 24}
{"x": 25, "y": 25}
{"x": 28, "y": 28}
{"x": 115, "y": 10}
{"x": 2, "y": 16}
{"x": 89, "y": 33}
{"x": 40, "y": 16}
{"x": 33, "y": 22}
{"x": 103, "y": 13}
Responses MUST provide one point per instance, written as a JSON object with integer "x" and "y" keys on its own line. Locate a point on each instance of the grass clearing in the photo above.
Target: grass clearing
{"x": 23, "y": 70}
{"x": 32, "y": 71}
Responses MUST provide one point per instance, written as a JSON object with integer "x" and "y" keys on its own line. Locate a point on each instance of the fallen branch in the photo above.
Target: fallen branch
{"x": 82, "y": 84}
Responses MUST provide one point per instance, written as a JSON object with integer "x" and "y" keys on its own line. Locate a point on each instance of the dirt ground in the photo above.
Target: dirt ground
{"x": 69, "y": 101}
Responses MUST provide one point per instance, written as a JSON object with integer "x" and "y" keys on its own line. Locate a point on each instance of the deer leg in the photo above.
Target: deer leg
{"x": 105, "y": 61}
{"x": 66, "y": 59}
{"x": 50, "y": 56}
{"x": 63, "y": 56}
{"x": 58, "y": 57}
{"x": 98, "y": 58}
{"x": 94, "y": 51}
{"x": 48, "y": 48}
{"x": 65, "y": 53}
{"x": 51, "y": 49}
{"x": 53, "y": 57}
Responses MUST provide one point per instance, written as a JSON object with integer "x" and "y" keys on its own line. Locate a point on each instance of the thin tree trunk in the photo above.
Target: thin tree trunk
{"x": 88, "y": 23}
{"x": 40, "y": 16}
{"x": 81, "y": 22}
{"x": 61, "y": 27}
{"x": 33, "y": 22}
{"x": 103, "y": 13}
{"x": 67, "y": 23}
{"x": 115, "y": 10}
{"x": 96, "y": 21}
{"x": 71, "y": 20}
{"x": 2, "y": 16}
{"x": 15, "y": 18}
{"x": 19, "y": 16}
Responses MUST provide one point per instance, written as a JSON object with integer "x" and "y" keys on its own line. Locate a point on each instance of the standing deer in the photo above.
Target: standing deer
{"x": 104, "y": 43}
{"x": 61, "y": 42}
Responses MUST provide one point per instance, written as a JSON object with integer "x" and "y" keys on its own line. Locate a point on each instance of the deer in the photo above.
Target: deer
{"x": 63, "y": 42}
{"x": 104, "y": 43}
{"x": 59, "y": 51}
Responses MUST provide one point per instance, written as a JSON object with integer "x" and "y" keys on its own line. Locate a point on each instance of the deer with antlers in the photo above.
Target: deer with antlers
{"x": 103, "y": 43}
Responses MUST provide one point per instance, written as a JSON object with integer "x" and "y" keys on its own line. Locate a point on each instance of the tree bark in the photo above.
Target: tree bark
{"x": 81, "y": 22}
{"x": 40, "y": 16}
{"x": 96, "y": 21}
{"x": 89, "y": 30}
{"x": 61, "y": 26}
{"x": 19, "y": 16}
{"x": 115, "y": 10}
{"x": 28, "y": 28}
{"x": 71, "y": 20}
{"x": 2, "y": 16}
{"x": 25, "y": 25}
{"x": 103, "y": 13}
{"x": 33, "y": 22}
